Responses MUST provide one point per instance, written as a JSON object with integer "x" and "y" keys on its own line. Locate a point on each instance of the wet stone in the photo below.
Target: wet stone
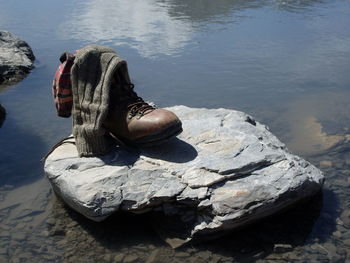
{"x": 18, "y": 236}
{"x": 259, "y": 254}
{"x": 57, "y": 231}
{"x": 62, "y": 242}
{"x": 157, "y": 256}
{"x": 337, "y": 234}
{"x": 344, "y": 231}
{"x": 108, "y": 257}
{"x": 318, "y": 249}
{"x": 25, "y": 256}
{"x": 72, "y": 224}
{"x": 330, "y": 248}
{"x": 20, "y": 226}
{"x": 27, "y": 219}
{"x": 131, "y": 259}
{"x": 326, "y": 163}
{"x": 3, "y": 251}
{"x": 339, "y": 164}
{"x": 182, "y": 255}
{"x": 339, "y": 222}
{"x": 196, "y": 259}
{"x": 15, "y": 260}
{"x": 336, "y": 258}
{"x": 215, "y": 259}
{"x": 4, "y": 228}
{"x": 4, "y": 234}
{"x": 345, "y": 217}
{"x": 50, "y": 221}
{"x": 347, "y": 242}
{"x": 118, "y": 258}
{"x": 204, "y": 254}
{"x": 342, "y": 251}
{"x": 16, "y": 58}
{"x": 338, "y": 183}
{"x": 45, "y": 233}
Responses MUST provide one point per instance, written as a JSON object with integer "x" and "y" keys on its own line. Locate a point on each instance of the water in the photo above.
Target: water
{"x": 284, "y": 62}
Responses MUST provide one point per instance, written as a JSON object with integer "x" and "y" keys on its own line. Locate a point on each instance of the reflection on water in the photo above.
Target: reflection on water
{"x": 297, "y": 5}
{"x": 152, "y": 27}
{"x": 316, "y": 123}
{"x": 143, "y": 24}
{"x": 155, "y": 27}
{"x": 20, "y": 153}
{"x": 309, "y": 137}
{"x": 206, "y": 10}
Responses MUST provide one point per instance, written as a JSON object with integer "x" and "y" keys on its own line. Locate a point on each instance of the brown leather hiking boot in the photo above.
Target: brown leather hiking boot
{"x": 134, "y": 121}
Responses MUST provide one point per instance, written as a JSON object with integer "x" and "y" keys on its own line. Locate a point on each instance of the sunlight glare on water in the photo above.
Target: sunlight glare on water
{"x": 143, "y": 25}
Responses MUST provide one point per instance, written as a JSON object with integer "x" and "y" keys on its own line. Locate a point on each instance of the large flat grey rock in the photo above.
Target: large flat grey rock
{"x": 16, "y": 57}
{"x": 224, "y": 171}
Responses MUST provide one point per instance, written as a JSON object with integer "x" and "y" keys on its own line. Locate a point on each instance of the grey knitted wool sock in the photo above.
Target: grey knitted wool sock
{"x": 91, "y": 76}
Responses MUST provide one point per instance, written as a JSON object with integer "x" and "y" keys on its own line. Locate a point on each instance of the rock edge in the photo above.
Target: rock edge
{"x": 16, "y": 58}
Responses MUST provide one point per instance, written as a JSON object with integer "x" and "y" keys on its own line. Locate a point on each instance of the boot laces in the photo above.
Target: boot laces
{"x": 135, "y": 105}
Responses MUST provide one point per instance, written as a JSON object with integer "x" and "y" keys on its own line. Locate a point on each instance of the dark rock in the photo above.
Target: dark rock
{"x": 281, "y": 248}
{"x": 2, "y": 115}
{"x": 16, "y": 58}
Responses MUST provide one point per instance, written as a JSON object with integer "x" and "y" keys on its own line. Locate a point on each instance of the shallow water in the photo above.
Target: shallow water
{"x": 284, "y": 62}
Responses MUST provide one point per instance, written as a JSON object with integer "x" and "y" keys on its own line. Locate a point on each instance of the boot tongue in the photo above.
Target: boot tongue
{"x": 127, "y": 99}
{"x": 134, "y": 105}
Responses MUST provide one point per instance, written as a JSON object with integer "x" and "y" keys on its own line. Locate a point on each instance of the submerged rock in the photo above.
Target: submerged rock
{"x": 16, "y": 58}
{"x": 2, "y": 115}
{"x": 224, "y": 171}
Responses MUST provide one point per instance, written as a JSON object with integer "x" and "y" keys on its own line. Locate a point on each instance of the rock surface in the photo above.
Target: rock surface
{"x": 224, "y": 171}
{"x": 16, "y": 58}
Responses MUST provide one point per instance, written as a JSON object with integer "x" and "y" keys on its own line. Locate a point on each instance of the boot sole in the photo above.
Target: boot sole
{"x": 161, "y": 137}
{"x": 154, "y": 139}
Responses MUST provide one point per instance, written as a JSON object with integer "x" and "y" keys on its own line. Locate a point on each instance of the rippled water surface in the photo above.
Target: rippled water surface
{"x": 285, "y": 62}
